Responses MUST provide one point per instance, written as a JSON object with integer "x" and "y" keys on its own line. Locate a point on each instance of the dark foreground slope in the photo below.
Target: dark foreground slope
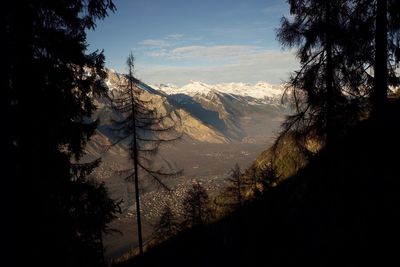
{"x": 343, "y": 209}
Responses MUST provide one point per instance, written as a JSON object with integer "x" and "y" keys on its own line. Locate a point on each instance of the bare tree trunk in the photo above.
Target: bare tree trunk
{"x": 379, "y": 94}
{"x": 135, "y": 159}
{"x": 330, "y": 101}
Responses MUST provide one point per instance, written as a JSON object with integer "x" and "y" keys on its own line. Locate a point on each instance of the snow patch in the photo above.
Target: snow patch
{"x": 260, "y": 90}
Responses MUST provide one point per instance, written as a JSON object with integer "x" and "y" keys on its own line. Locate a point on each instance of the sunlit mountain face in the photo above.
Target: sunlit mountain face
{"x": 220, "y": 124}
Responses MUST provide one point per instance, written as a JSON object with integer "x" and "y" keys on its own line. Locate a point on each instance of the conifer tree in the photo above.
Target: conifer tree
{"x": 349, "y": 53}
{"x": 235, "y": 190}
{"x": 144, "y": 129}
{"x": 167, "y": 226}
{"x": 50, "y": 81}
{"x": 379, "y": 96}
{"x": 319, "y": 88}
{"x": 270, "y": 176}
{"x": 196, "y": 210}
{"x": 373, "y": 44}
{"x": 253, "y": 180}
{"x": 384, "y": 22}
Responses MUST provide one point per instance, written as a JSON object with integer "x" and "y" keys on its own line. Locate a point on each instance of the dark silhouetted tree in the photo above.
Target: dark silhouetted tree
{"x": 196, "y": 208}
{"x": 253, "y": 179}
{"x": 387, "y": 52}
{"x": 379, "y": 96}
{"x": 144, "y": 128}
{"x": 93, "y": 209}
{"x": 349, "y": 53}
{"x": 50, "y": 81}
{"x": 324, "y": 91}
{"x": 241, "y": 187}
{"x": 236, "y": 189}
{"x": 373, "y": 43}
{"x": 269, "y": 175}
{"x": 167, "y": 226}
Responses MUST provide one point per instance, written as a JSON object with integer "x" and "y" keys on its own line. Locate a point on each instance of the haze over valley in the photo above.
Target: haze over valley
{"x": 220, "y": 125}
{"x": 154, "y": 133}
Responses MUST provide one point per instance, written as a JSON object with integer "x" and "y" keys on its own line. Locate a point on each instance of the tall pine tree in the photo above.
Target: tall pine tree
{"x": 143, "y": 128}
{"x": 331, "y": 89}
{"x": 49, "y": 80}
{"x": 313, "y": 30}
{"x": 349, "y": 56}
{"x": 373, "y": 44}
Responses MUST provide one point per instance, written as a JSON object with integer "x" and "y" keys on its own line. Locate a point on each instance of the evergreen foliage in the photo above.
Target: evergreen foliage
{"x": 196, "y": 207}
{"x": 167, "y": 225}
{"x": 234, "y": 195}
{"x": 49, "y": 81}
{"x": 348, "y": 53}
{"x": 319, "y": 89}
{"x": 237, "y": 185}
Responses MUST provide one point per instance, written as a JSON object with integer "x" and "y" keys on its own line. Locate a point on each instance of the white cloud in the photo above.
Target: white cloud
{"x": 211, "y": 53}
{"x": 177, "y": 62}
{"x": 248, "y": 64}
{"x": 174, "y": 36}
{"x": 167, "y": 41}
{"x": 154, "y": 43}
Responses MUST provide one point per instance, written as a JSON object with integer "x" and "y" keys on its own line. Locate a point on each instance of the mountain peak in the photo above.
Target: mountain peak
{"x": 260, "y": 90}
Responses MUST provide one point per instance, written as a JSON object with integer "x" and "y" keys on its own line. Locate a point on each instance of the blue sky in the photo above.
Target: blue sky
{"x": 175, "y": 41}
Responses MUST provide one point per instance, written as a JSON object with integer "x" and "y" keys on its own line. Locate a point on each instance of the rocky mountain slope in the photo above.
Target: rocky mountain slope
{"x": 220, "y": 125}
{"x": 237, "y": 110}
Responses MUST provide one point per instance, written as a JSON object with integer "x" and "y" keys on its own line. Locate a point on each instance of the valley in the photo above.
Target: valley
{"x": 207, "y": 163}
{"x": 219, "y": 127}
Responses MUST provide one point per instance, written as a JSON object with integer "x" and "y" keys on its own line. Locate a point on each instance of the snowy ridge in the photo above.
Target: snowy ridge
{"x": 260, "y": 90}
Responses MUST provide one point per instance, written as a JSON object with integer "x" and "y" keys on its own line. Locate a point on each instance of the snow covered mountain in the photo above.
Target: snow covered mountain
{"x": 261, "y": 91}
{"x": 190, "y": 126}
{"x": 221, "y": 124}
{"x": 233, "y": 109}
{"x": 221, "y": 113}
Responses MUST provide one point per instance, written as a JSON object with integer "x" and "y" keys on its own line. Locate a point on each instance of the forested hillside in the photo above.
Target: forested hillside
{"x": 341, "y": 209}
{"x": 90, "y": 173}
{"x": 325, "y": 192}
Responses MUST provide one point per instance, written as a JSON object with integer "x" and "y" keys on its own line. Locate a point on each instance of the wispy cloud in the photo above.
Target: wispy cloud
{"x": 154, "y": 43}
{"x": 211, "y": 53}
{"x": 248, "y": 64}
{"x": 167, "y": 41}
{"x": 177, "y": 59}
{"x": 174, "y": 36}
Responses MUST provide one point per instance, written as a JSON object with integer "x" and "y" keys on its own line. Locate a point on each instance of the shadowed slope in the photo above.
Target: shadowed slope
{"x": 342, "y": 209}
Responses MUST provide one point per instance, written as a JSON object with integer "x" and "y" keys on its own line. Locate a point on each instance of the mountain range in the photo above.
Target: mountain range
{"x": 232, "y": 109}
{"x": 221, "y": 113}
{"x": 220, "y": 124}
